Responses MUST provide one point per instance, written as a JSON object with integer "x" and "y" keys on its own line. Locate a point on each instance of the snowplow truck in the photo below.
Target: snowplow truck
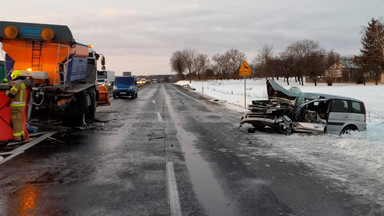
{"x": 61, "y": 72}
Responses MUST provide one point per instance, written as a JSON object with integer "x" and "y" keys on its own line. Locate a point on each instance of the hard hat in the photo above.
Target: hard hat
{"x": 5, "y": 80}
{"x": 15, "y": 74}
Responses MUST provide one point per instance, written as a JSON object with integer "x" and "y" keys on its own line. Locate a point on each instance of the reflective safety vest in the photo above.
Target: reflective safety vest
{"x": 18, "y": 90}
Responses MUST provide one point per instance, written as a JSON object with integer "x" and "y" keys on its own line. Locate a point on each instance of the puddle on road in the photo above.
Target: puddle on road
{"x": 206, "y": 186}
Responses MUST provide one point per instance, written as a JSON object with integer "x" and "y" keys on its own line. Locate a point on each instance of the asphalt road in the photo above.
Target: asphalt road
{"x": 167, "y": 152}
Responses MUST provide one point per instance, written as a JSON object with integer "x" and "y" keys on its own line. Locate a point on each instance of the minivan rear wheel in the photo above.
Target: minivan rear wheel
{"x": 348, "y": 129}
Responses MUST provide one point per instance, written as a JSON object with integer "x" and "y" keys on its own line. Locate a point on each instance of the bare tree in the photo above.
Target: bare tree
{"x": 315, "y": 65}
{"x": 285, "y": 65}
{"x": 219, "y": 66}
{"x": 189, "y": 55}
{"x": 263, "y": 62}
{"x": 177, "y": 63}
{"x": 235, "y": 59}
{"x": 200, "y": 64}
{"x": 331, "y": 58}
{"x": 209, "y": 73}
{"x": 303, "y": 51}
{"x": 295, "y": 51}
{"x": 216, "y": 66}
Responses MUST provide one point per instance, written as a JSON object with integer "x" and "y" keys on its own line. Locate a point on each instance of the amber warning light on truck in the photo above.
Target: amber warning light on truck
{"x": 11, "y": 32}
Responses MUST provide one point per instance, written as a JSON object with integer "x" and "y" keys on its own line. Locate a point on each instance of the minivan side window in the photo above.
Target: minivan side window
{"x": 357, "y": 107}
{"x": 339, "y": 106}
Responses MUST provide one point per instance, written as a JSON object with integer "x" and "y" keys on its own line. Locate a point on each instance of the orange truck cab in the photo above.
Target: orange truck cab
{"x": 62, "y": 71}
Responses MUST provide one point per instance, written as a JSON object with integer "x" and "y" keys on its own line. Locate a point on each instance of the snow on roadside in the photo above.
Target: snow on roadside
{"x": 355, "y": 162}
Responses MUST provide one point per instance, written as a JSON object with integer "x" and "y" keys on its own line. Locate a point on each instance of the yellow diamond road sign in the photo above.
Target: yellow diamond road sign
{"x": 245, "y": 70}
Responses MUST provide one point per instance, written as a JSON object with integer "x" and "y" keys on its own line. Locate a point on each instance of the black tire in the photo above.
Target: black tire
{"x": 114, "y": 96}
{"x": 73, "y": 116}
{"x": 78, "y": 114}
{"x": 348, "y": 129}
{"x": 90, "y": 114}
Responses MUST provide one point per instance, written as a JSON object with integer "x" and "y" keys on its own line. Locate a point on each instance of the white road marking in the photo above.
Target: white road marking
{"x": 173, "y": 192}
{"x": 153, "y": 101}
{"x": 26, "y": 146}
{"x": 159, "y": 117}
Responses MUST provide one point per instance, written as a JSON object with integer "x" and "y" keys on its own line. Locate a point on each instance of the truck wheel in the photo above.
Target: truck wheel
{"x": 73, "y": 116}
{"x": 90, "y": 114}
{"x": 78, "y": 114}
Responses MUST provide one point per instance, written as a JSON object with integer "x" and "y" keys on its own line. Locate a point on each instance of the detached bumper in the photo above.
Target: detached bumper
{"x": 252, "y": 118}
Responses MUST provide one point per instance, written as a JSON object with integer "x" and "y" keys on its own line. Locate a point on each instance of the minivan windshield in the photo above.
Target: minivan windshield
{"x": 125, "y": 80}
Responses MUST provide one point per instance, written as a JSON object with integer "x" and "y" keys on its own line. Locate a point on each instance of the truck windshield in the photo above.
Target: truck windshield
{"x": 124, "y": 80}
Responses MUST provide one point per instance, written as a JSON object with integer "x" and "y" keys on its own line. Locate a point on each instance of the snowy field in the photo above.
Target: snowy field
{"x": 355, "y": 161}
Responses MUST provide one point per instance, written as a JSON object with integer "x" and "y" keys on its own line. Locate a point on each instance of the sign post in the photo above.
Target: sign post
{"x": 245, "y": 71}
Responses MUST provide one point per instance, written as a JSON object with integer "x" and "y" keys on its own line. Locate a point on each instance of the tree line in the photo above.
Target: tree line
{"x": 304, "y": 58}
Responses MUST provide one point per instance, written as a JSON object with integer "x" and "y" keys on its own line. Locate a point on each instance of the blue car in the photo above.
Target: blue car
{"x": 125, "y": 86}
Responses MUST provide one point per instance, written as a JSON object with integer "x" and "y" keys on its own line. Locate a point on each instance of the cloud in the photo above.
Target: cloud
{"x": 50, "y": 18}
{"x": 113, "y": 13}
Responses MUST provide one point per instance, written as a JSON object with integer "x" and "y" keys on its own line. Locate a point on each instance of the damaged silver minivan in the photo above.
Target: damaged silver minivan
{"x": 291, "y": 110}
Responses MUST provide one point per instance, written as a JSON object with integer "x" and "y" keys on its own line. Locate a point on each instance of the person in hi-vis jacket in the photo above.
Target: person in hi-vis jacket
{"x": 17, "y": 94}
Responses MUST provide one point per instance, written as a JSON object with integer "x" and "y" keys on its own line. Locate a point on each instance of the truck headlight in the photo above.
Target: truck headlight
{"x": 114, "y": 87}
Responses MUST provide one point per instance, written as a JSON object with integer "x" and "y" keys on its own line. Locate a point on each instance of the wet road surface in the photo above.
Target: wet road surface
{"x": 167, "y": 152}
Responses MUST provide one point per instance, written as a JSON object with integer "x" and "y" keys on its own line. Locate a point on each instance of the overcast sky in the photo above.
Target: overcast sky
{"x": 140, "y": 36}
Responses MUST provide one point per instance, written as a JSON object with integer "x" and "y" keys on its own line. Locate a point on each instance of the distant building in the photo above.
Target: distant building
{"x": 342, "y": 71}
